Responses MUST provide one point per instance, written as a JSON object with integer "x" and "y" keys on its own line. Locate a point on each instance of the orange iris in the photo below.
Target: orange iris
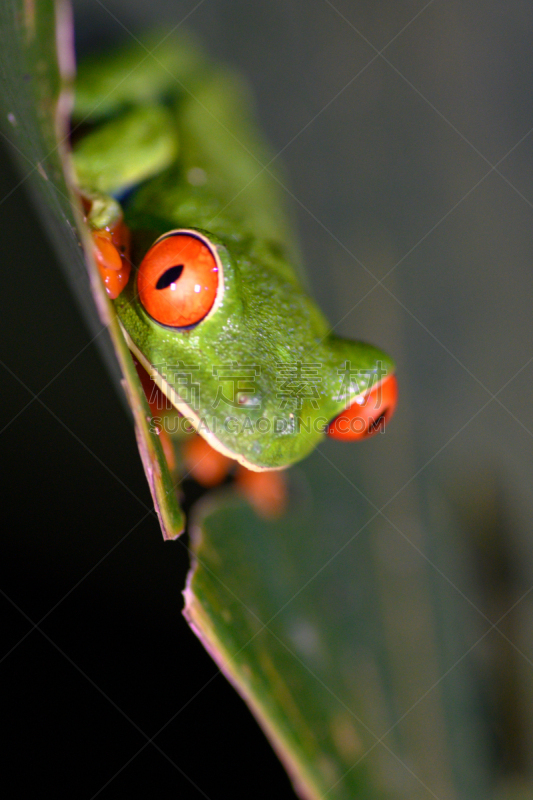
{"x": 178, "y": 279}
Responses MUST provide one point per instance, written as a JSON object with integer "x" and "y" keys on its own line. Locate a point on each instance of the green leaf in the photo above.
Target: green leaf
{"x": 244, "y": 600}
{"x": 325, "y": 640}
{"x": 35, "y": 101}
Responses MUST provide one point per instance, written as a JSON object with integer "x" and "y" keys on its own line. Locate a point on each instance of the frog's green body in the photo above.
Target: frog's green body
{"x": 260, "y": 376}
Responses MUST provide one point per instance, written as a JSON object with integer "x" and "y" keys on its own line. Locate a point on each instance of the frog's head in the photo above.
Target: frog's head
{"x": 226, "y": 331}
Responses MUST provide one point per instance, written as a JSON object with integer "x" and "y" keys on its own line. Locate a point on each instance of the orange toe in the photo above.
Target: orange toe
{"x": 204, "y": 464}
{"x": 266, "y": 491}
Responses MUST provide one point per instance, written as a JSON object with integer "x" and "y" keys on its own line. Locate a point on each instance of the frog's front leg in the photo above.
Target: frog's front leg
{"x": 114, "y": 157}
{"x": 121, "y": 152}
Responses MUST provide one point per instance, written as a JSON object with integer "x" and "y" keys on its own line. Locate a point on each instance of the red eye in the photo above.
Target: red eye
{"x": 363, "y": 419}
{"x": 178, "y": 280}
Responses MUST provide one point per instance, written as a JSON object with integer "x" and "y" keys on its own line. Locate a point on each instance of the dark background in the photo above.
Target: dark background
{"x": 417, "y": 160}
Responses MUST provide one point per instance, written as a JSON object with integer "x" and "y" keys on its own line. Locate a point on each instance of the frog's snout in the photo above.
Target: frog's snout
{"x": 368, "y": 414}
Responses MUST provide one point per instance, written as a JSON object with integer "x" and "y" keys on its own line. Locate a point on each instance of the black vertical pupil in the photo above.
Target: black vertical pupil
{"x": 171, "y": 275}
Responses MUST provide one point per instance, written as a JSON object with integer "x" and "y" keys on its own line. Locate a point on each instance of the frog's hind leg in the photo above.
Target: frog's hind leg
{"x": 266, "y": 491}
{"x": 206, "y": 465}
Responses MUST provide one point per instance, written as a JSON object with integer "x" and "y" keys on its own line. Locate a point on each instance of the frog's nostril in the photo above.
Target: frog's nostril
{"x": 367, "y": 416}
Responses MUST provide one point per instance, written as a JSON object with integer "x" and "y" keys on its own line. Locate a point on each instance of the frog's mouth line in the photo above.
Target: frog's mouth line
{"x": 187, "y": 412}
{"x": 366, "y": 415}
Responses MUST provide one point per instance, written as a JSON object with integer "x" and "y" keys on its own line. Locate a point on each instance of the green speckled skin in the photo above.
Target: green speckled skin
{"x": 210, "y": 179}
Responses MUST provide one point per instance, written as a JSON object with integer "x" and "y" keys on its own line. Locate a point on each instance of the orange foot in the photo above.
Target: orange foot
{"x": 266, "y": 491}
{"x": 207, "y": 466}
{"x": 111, "y": 251}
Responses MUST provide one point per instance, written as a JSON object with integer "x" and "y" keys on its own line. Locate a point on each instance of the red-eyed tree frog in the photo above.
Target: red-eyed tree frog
{"x": 193, "y": 246}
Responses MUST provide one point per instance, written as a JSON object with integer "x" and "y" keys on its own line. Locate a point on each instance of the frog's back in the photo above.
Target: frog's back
{"x": 223, "y": 177}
